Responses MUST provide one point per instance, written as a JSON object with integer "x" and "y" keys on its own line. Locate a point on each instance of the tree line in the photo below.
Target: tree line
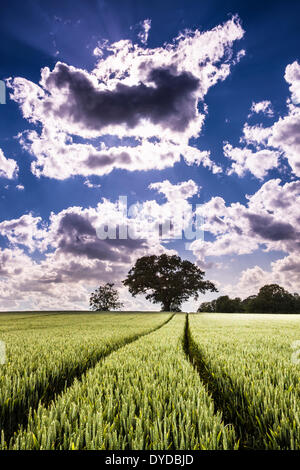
{"x": 271, "y": 298}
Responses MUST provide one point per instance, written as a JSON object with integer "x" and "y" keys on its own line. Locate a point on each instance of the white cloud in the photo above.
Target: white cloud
{"x": 264, "y": 107}
{"x": 258, "y": 163}
{"x": 284, "y": 135}
{"x": 269, "y": 221}
{"x": 57, "y": 156}
{"x": 8, "y": 167}
{"x": 292, "y": 76}
{"x": 180, "y": 191}
{"x": 256, "y": 135}
{"x": 194, "y": 156}
{"x": 26, "y": 231}
{"x": 144, "y": 33}
{"x": 90, "y": 185}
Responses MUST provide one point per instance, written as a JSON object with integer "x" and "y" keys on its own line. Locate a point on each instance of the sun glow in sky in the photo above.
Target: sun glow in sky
{"x": 177, "y": 106}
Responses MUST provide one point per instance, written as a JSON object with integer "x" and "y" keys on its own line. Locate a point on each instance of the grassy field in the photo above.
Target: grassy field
{"x": 149, "y": 381}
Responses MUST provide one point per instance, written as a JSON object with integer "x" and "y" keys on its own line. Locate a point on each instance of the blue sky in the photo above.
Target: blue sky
{"x": 211, "y": 118}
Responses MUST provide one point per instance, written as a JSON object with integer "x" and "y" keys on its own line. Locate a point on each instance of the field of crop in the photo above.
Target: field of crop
{"x": 149, "y": 381}
{"x": 46, "y": 352}
{"x": 246, "y": 362}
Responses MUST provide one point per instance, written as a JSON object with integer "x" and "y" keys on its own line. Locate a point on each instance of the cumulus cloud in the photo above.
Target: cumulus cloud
{"x": 269, "y": 221}
{"x": 155, "y": 96}
{"x": 59, "y": 157}
{"x": 255, "y": 135}
{"x": 283, "y": 137}
{"x": 258, "y": 163}
{"x": 264, "y": 107}
{"x": 292, "y": 76}
{"x": 26, "y": 230}
{"x": 286, "y": 137}
{"x": 8, "y": 167}
{"x": 26, "y": 284}
{"x": 178, "y": 191}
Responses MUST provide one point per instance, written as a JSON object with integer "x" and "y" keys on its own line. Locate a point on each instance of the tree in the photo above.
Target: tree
{"x": 166, "y": 279}
{"x": 105, "y": 298}
{"x": 273, "y": 298}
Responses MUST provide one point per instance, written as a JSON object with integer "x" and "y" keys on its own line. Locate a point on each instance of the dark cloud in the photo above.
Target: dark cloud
{"x": 56, "y": 279}
{"x": 237, "y": 229}
{"x": 270, "y": 230}
{"x": 4, "y": 262}
{"x": 280, "y": 203}
{"x": 291, "y": 266}
{"x": 76, "y": 225}
{"x": 98, "y": 161}
{"x": 75, "y": 272}
{"x": 77, "y": 236}
{"x": 170, "y": 102}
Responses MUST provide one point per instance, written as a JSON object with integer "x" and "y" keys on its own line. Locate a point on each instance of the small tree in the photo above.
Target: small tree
{"x": 168, "y": 280}
{"x": 105, "y": 298}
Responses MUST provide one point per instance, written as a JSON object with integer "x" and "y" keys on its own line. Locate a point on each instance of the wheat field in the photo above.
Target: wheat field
{"x": 149, "y": 381}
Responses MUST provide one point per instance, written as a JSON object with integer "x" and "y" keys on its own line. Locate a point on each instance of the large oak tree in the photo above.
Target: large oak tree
{"x": 166, "y": 279}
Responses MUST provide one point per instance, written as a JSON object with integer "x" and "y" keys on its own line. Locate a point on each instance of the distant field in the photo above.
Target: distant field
{"x": 145, "y": 380}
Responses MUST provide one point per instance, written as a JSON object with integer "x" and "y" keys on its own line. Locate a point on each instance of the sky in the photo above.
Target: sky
{"x": 132, "y": 128}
